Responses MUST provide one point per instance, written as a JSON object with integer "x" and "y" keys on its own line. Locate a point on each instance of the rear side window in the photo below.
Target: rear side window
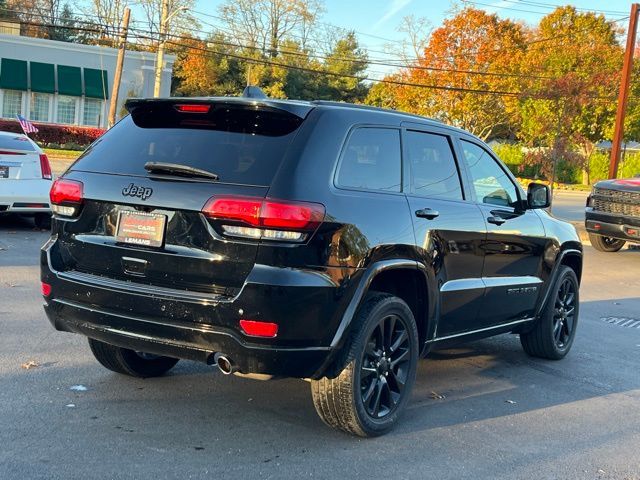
{"x": 240, "y": 144}
{"x": 17, "y": 142}
{"x": 433, "y": 167}
{"x": 371, "y": 160}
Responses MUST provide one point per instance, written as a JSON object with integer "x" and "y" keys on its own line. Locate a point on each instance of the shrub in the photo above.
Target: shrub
{"x": 65, "y": 136}
{"x": 599, "y": 165}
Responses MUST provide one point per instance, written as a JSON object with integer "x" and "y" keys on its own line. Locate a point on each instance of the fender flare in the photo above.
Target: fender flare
{"x": 370, "y": 273}
{"x": 554, "y": 275}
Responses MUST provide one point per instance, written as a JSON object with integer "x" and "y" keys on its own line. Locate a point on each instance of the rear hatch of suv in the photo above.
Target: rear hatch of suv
{"x": 137, "y": 205}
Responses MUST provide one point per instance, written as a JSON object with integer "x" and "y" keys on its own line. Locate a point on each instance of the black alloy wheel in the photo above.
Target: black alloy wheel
{"x": 385, "y": 367}
{"x": 564, "y": 314}
{"x": 552, "y": 334}
{"x": 376, "y": 374}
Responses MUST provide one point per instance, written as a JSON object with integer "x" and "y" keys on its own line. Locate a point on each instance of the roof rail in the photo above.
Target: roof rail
{"x": 359, "y": 106}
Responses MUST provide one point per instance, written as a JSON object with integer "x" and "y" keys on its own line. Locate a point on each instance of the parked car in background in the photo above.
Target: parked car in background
{"x": 319, "y": 240}
{"x": 25, "y": 178}
{"x": 612, "y": 216}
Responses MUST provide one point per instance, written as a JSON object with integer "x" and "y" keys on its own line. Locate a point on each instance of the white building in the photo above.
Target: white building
{"x": 69, "y": 83}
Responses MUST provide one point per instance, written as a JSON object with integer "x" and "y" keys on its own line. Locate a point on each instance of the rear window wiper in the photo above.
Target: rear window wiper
{"x": 180, "y": 170}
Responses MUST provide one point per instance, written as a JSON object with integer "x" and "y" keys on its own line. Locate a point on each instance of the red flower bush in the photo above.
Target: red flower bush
{"x": 50, "y": 133}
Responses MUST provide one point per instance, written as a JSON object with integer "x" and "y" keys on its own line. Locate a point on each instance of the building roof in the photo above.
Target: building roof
{"x": 78, "y": 47}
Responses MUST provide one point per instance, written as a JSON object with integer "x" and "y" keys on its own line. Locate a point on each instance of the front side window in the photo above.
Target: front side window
{"x": 92, "y": 114}
{"x": 371, "y": 160}
{"x": 66, "y": 109}
{"x": 11, "y": 103}
{"x": 40, "y": 107}
{"x": 433, "y": 167}
{"x": 490, "y": 182}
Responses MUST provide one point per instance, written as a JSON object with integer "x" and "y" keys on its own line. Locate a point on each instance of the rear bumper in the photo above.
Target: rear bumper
{"x": 153, "y": 320}
{"x": 172, "y": 339}
{"x": 615, "y": 226}
{"x": 25, "y": 196}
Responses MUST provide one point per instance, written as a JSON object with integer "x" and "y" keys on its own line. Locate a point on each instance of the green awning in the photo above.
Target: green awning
{"x": 42, "y": 77}
{"x": 96, "y": 84}
{"x": 69, "y": 81}
{"x": 13, "y": 74}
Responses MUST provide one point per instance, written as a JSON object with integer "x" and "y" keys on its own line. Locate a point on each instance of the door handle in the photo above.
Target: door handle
{"x": 496, "y": 220}
{"x": 427, "y": 213}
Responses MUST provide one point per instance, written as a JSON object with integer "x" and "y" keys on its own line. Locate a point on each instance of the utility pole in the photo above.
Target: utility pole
{"x": 160, "y": 55}
{"x": 618, "y": 133}
{"x": 118, "y": 74}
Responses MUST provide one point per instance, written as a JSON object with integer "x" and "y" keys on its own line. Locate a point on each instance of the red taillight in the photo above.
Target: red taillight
{"x": 45, "y": 288}
{"x": 66, "y": 191}
{"x": 66, "y": 197}
{"x": 272, "y": 214}
{"x": 259, "y": 329}
{"x": 45, "y": 166}
{"x": 193, "y": 108}
{"x": 246, "y": 210}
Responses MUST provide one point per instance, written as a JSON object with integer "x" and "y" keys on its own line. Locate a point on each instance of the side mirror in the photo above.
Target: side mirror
{"x": 538, "y": 196}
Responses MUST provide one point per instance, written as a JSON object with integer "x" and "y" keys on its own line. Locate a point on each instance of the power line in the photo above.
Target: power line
{"x": 306, "y": 69}
{"x": 336, "y": 58}
{"x": 553, "y": 6}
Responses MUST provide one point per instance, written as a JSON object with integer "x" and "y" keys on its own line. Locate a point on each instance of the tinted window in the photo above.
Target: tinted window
{"x": 490, "y": 182}
{"x": 433, "y": 168}
{"x": 240, "y": 145}
{"x": 371, "y": 160}
{"x": 17, "y": 142}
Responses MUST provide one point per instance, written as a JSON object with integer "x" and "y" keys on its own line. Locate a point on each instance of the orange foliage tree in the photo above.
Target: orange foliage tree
{"x": 467, "y": 57}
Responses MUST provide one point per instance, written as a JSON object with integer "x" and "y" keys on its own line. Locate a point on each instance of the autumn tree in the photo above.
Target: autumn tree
{"x": 206, "y": 68}
{"x": 571, "y": 106}
{"x": 471, "y": 41}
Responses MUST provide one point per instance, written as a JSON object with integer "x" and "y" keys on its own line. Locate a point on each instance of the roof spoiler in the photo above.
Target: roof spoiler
{"x": 298, "y": 109}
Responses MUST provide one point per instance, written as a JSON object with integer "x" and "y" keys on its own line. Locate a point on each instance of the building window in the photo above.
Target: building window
{"x": 92, "y": 114}
{"x": 66, "y": 109}
{"x": 11, "y": 103}
{"x": 40, "y": 107}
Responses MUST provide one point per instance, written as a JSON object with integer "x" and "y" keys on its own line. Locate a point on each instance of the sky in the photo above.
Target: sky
{"x": 376, "y": 21}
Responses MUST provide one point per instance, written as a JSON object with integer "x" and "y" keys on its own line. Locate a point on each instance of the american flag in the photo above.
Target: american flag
{"x": 26, "y": 125}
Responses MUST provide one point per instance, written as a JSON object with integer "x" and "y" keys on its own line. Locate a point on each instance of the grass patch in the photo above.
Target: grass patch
{"x": 62, "y": 153}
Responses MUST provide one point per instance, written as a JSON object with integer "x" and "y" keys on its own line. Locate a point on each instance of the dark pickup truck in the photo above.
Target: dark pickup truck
{"x": 612, "y": 216}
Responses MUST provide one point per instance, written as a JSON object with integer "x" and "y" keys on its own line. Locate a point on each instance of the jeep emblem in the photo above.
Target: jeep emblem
{"x": 132, "y": 190}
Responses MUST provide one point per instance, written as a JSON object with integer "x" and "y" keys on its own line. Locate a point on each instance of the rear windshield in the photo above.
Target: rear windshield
{"x": 17, "y": 142}
{"x": 241, "y": 144}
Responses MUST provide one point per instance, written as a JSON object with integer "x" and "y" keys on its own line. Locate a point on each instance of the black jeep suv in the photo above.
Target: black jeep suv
{"x": 612, "y": 216}
{"x": 317, "y": 240}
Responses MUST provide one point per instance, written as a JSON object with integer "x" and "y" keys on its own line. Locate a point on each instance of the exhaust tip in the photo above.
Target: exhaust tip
{"x": 225, "y": 365}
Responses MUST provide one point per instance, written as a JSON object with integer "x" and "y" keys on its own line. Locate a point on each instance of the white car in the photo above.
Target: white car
{"x": 25, "y": 178}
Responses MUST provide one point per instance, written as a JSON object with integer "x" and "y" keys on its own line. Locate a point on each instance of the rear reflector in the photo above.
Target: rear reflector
{"x": 193, "y": 108}
{"x": 45, "y": 166}
{"x": 259, "y": 329}
{"x": 46, "y": 289}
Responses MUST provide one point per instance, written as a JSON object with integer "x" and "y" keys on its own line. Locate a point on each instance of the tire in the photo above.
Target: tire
{"x": 128, "y": 362}
{"x": 42, "y": 220}
{"x": 369, "y": 405}
{"x": 605, "y": 244}
{"x": 554, "y": 332}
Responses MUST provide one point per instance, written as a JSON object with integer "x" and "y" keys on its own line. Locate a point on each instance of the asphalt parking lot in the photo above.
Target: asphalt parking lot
{"x": 484, "y": 410}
